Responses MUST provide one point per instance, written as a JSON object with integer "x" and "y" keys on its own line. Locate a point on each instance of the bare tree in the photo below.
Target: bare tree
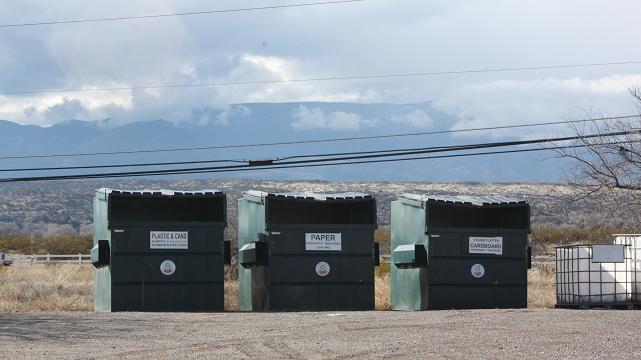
{"x": 607, "y": 167}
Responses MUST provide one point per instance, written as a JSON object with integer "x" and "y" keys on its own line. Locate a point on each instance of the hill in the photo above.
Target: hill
{"x": 66, "y": 207}
{"x": 267, "y": 122}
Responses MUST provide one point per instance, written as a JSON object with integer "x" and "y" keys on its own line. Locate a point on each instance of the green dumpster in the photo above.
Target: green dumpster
{"x": 159, "y": 250}
{"x": 306, "y": 251}
{"x": 459, "y": 252}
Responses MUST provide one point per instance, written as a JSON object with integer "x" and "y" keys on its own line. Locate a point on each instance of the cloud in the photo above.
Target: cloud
{"x": 509, "y": 102}
{"x": 68, "y": 109}
{"x": 250, "y": 67}
{"x": 416, "y": 118}
{"x": 47, "y": 109}
{"x": 328, "y": 41}
{"x": 232, "y": 112}
{"x": 316, "y": 119}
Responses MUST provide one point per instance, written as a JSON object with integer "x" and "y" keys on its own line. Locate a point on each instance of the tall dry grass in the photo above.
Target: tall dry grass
{"x": 69, "y": 288}
{"x": 541, "y": 289}
{"x": 231, "y": 294}
{"x": 46, "y": 288}
{"x": 54, "y": 244}
{"x": 383, "y": 288}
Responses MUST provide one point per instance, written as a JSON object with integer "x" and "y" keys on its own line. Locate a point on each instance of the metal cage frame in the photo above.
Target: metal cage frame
{"x": 568, "y": 279}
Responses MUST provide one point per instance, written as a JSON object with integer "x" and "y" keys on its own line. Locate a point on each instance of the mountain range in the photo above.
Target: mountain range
{"x": 274, "y": 122}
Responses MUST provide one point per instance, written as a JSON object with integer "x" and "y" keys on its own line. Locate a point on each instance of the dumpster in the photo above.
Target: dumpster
{"x": 459, "y": 252}
{"x": 588, "y": 276}
{"x": 159, "y": 250}
{"x": 306, "y": 251}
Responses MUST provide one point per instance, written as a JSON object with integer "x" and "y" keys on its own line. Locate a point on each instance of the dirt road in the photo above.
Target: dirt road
{"x": 476, "y": 334}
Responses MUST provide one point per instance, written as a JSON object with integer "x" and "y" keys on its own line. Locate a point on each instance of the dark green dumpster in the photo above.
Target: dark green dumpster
{"x": 159, "y": 250}
{"x": 459, "y": 252}
{"x": 306, "y": 251}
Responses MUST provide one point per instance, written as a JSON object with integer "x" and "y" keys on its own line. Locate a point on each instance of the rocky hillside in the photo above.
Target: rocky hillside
{"x": 66, "y": 207}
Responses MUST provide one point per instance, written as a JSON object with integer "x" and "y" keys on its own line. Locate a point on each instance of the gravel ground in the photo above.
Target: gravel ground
{"x": 473, "y": 334}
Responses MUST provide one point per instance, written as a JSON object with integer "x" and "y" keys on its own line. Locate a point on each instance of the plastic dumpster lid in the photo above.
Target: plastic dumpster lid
{"x": 310, "y": 195}
{"x": 160, "y": 192}
{"x": 465, "y": 200}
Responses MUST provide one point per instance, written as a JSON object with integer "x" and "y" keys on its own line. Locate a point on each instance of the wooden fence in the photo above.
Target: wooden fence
{"x": 36, "y": 260}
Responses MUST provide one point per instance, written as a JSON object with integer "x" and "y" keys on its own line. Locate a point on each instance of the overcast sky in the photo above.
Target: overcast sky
{"x": 371, "y": 37}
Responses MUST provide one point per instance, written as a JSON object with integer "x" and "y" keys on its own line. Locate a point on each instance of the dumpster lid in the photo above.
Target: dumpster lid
{"x": 160, "y": 192}
{"x": 306, "y": 195}
{"x": 473, "y": 212}
{"x": 312, "y": 209}
{"x": 465, "y": 200}
{"x": 136, "y": 206}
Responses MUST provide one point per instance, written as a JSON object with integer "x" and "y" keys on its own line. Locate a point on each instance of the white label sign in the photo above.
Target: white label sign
{"x": 486, "y": 245}
{"x": 608, "y": 254}
{"x": 323, "y": 241}
{"x": 169, "y": 240}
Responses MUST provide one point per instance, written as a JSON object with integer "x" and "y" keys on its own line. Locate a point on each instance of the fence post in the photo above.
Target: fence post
{"x": 79, "y": 259}
{"x": 48, "y": 257}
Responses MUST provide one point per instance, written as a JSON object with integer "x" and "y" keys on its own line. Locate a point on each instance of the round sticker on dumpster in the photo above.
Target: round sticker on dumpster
{"x": 322, "y": 268}
{"x": 477, "y": 271}
{"x": 167, "y": 267}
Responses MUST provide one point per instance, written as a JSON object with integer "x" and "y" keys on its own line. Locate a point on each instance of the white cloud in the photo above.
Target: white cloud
{"x": 509, "y": 102}
{"x": 316, "y": 119}
{"x": 328, "y": 41}
{"x": 47, "y": 109}
{"x": 252, "y": 67}
{"x": 416, "y": 118}
{"x": 232, "y": 112}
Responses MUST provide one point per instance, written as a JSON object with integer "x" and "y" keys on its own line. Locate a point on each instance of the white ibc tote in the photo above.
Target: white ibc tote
{"x": 634, "y": 242}
{"x": 594, "y": 275}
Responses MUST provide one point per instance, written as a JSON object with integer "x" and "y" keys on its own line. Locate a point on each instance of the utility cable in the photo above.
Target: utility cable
{"x": 156, "y": 16}
{"x": 88, "y": 177}
{"x": 316, "y": 141}
{"x": 402, "y": 151}
{"x": 309, "y": 161}
{"x": 313, "y": 79}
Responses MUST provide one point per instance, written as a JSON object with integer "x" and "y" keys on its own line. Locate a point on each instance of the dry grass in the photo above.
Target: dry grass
{"x": 541, "y": 288}
{"x": 46, "y": 288}
{"x": 69, "y": 288}
{"x": 232, "y": 294}
{"x": 383, "y": 288}
{"x": 55, "y": 244}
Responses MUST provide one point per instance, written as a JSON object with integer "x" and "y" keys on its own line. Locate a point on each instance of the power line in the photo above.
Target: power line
{"x": 311, "y": 161}
{"x": 313, "y": 79}
{"x": 393, "y": 152}
{"x": 155, "y": 16}
{"x": 364, "y": 161}
{"x": 315, "y": 141}
{"x": 122, "y": 165}
{"x": 88, "y": 177}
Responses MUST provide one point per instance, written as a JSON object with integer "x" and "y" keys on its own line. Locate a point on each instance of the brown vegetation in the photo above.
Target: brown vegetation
{"x": 69, "y": 288}
{"x": 383, "y": 237}
{"x": 383, "y": 296}
{"x": 57, "y": 244}
{"x": 540, "y": 290}
{"x": 544, "y": 239}
{"x": 46, "y": 288}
